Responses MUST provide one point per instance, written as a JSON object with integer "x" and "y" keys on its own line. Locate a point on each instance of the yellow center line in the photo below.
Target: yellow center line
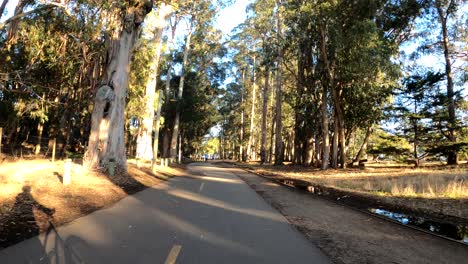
{"x": 173, "y": 254}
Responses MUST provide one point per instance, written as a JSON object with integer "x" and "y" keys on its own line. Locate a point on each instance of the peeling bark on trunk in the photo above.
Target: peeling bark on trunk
{"x": 144, "y": 146}
{"x": 107, "y": 139}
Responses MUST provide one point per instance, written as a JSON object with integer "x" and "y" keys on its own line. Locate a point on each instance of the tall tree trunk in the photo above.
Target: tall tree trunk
{"x": 144, "y": 148}
{"x": 252, "y": 116}
{"x": 107, "y": 119}
{"x": 299, "y": 118}
{"x": 279, "y": 147}
{"x": 263, "y": 149}
{"x": 175, "y": 130}
{"x": 241, "y": 147}
{"x": 326, "y": 83}
{"x": 452, "y": 122}
{"x": 339, "y": 125}
{"x": 167, "y": 91}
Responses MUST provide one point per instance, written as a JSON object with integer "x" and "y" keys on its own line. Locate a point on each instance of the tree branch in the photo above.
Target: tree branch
{"x": 46, "y": 6}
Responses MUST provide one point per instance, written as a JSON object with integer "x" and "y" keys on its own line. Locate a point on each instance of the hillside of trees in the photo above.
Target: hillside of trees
{"x": 315, "y": 83}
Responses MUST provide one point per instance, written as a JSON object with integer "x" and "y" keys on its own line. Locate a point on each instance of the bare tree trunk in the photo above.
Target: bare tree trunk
{"x": 452, "y": 122}
{"x": 157, "y": 125}
{"x": 144, "y": 149}
{"x": 107, "y": 125}
{"x": 241, "y": 147}
{"x": 364, "y": 144}
{"x": 167, "y": 92}
{"x": 272, "y": 141}
{"x": 263, "y": 149}
{"x": 252, "y": 116}
{"x": 279, "y": 152}
{"x": 334, "y": 159}
{"x": 175, "y": 130}
{"x": 309, "y": 151}
{"x": 324, "y": 108}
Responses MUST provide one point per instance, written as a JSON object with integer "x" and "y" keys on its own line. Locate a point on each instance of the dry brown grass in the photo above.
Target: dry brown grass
{"x": 400, "y": 181}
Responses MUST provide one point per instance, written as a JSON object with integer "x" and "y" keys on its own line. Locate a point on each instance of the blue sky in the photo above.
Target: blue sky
{"x": 231, "y": 16}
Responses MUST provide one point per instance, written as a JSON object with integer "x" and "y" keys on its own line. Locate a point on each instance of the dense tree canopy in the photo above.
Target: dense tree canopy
{"x": 315, "y": 83}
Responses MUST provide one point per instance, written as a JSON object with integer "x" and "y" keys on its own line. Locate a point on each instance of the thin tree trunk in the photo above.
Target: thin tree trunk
{"x": 334, "y": 159}
{"x": 175, "y": 130}
{"x": 241, "y": 147}
{"x": 364, "y": 144}
{"x": 144, "y": 149}
{"x": 157, "y": 125}
{"x": 179, "y": 157}
{"x": 452, "y": 122}
{"x": 279, "y": 147}
{"x": 272, "y": 141}
{"x": 263, "y": 149}
{"x": 252, "y": 116}
{"x": 324, "y": 107}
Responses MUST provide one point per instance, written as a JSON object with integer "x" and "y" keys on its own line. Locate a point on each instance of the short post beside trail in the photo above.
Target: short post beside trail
{"x": 54, "y": 144}
{"x": 67, "y": 170}
{"x": 111, "y": 167}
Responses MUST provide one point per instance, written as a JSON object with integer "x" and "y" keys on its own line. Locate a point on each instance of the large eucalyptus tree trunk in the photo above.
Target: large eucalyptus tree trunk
{"x": 106, "y": 139}
{"x": 279, "y": 147}
{"x": 144, "y": 146}
{"x": 175, "y": 130}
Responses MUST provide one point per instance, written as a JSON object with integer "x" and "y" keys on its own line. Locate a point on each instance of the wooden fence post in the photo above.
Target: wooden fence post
{"x": 53, "y": 149}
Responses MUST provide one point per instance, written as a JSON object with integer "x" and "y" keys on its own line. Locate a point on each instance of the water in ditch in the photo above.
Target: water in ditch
{"x": 456, "y": 232}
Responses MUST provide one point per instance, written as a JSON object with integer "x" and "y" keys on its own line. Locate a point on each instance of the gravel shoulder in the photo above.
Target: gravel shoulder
{"x": 349, "y": 236}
